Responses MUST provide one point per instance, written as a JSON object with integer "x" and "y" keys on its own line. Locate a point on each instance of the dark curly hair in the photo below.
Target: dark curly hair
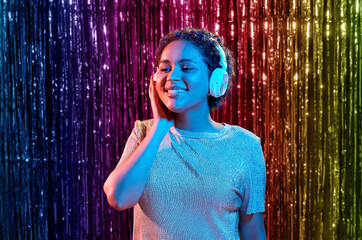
{"x": 205, "y": 41}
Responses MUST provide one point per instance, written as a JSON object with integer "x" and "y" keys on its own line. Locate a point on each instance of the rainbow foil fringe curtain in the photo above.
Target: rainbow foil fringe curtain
{"x": 74, "y": 77}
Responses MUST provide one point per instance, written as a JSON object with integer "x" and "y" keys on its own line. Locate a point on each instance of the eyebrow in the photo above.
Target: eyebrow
{"x": 182, "y": 60}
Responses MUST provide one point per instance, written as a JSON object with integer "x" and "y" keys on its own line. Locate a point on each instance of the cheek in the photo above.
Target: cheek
{"x": 160, "y": 91}
{"x": 200, "y": 87}
{"x": 159, "y": 87}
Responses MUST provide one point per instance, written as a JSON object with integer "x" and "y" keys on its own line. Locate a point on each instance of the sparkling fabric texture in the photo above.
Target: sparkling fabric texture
{"x": 198, "y": 183}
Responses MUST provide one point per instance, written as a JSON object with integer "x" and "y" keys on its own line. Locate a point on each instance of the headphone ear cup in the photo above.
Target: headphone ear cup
{"x": 218, "y": 82}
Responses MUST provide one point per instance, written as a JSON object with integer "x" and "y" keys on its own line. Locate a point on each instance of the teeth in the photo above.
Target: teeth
{"x": 176, "y": 90}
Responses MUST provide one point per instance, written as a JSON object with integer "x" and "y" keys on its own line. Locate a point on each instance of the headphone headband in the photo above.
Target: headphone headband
{"x": 223, "y": 62}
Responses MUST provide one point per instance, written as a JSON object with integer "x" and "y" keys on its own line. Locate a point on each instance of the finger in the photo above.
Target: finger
{"x": 149, "y": 87}
{"x": 154, "y": 89}
{"x": 150, "y": 90}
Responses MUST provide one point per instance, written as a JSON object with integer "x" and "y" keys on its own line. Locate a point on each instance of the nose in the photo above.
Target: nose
{"x": 174, "y": 75}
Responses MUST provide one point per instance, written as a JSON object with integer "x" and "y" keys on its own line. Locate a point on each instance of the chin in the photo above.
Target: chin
{"x": 175, "y": 109}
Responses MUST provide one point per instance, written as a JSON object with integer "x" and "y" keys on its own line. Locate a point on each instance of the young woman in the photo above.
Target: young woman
{"x": 187, "y": 176}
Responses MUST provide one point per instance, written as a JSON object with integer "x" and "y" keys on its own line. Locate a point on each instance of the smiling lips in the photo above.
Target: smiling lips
{"x": 174, "y": 91}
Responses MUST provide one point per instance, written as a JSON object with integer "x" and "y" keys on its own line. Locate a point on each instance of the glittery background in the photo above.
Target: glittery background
{"x": 74, "y": 78}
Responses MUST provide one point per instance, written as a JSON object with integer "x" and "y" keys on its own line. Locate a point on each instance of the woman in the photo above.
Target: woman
{"x": 187, "y": 176}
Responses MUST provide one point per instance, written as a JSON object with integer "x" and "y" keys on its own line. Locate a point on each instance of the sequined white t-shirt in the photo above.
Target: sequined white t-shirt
{"x": 198, "y": 183}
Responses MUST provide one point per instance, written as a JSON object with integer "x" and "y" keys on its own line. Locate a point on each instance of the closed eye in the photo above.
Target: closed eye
{"x": 183, "y": 69}
{"x": 186, "y": 68}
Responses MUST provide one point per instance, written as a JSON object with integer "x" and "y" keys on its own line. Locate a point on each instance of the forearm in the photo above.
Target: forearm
{"x": 253, "y": 236}
{"x": 251, "y": 226}
{"x": 125, "y": 185}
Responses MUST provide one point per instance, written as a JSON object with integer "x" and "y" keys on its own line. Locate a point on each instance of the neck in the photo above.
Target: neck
{"x": 196, "y": 120}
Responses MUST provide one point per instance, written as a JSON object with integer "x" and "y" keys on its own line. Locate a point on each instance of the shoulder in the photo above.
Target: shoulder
{"x": 249, "y": 146}
{"x": 245, "y": 135}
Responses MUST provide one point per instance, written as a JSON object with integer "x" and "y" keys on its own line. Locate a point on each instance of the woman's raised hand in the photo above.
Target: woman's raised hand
{"x": 159, "y": 110}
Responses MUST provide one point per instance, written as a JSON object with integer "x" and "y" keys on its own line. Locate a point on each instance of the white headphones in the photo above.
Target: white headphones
{"x": 219, "y": 77}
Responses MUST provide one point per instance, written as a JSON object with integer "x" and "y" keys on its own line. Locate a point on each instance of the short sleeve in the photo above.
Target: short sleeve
{"x": 132, "y": 143}
{"x": 253, "y": 187}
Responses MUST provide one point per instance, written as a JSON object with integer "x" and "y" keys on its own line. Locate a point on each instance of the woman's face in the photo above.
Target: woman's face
{"x": 182, "y": 67}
